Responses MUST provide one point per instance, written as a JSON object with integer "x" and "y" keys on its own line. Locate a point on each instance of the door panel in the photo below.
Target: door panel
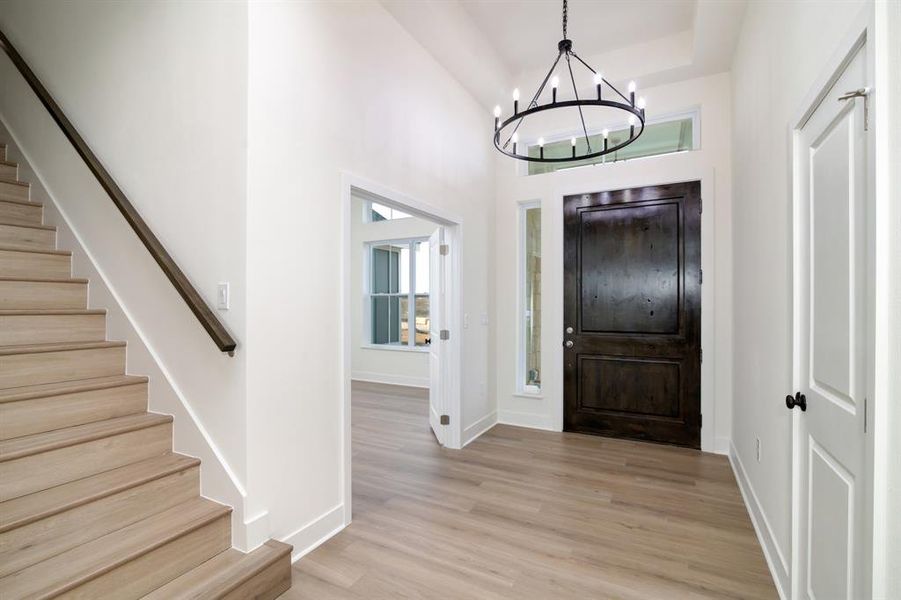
{"x": 630, "y": 269}
{"x": 831, "y": 268}
{"x": 632, "y": 298}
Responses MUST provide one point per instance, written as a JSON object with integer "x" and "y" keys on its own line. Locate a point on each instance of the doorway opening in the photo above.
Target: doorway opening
{"x": 401, "y": 299}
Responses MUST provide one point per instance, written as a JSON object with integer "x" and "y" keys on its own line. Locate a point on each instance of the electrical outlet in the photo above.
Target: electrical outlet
{"x": 222, "y": 296}
{"x": 758, "y": 449}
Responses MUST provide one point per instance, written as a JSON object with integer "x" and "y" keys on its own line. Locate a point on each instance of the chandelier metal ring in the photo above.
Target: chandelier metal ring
{"x": 639, "y": 114}
{"x": 565, "y": 51}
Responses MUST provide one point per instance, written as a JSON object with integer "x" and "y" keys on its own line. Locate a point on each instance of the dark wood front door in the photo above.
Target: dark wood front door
{"x": 632, "y": 296}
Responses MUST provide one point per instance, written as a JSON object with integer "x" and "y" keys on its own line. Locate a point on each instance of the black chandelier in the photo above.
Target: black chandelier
{"x": 635, "y": 109}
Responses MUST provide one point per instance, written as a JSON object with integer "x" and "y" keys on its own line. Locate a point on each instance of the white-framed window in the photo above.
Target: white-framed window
{"x": 374, "y": 211}
{"x": 396, "y": 307}
{"x": 664, "y": 134}
{"x": 528, "y": 372}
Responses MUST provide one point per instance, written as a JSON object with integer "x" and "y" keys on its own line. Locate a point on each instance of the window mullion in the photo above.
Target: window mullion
{"x": 411, "y": 299}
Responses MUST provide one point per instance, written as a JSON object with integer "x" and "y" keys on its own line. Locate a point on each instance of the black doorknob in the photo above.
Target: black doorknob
{"x": 799, "y": 400}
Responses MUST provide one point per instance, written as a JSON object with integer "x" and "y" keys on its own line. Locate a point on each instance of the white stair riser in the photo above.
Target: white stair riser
{"x": 22, "y": 214}
{"x": 17, "y": 263}
{"x": 37, "y": 472}
{"x": 151, "y": 570}
{"x": 42, "y": 294}
{"x": 37, "y": 415}
{"x": 48, "y": 329}
{"x": 28, "y": 238}
{"x": 35, "y": 368}
{"x": 48, "y": 537}
{"x": 13, "y": 190}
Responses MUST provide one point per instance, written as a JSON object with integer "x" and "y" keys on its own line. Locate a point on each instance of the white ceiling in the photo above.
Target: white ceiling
{"x": 525, "y": 32}
{"x": 491, "y": 46}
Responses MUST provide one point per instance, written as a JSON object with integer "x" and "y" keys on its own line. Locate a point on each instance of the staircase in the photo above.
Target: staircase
{"x": 93, "y": 502}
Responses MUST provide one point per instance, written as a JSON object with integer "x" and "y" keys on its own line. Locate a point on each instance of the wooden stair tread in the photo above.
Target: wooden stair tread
{"x": 221, "y": 574}
{"x": 39, "y": 505}
{"x": 14, "y": 182}
{"x": 88, "y": 561}
{"x": 44, "y": 390}
{"x": 17, "y": 312}
{"x": 61, "y": 438}
{"x": 30, "y": 226}
{"x": 57, "y": 347}
{"x": 20, "y": 201}
{"x": 28, "y": 251}
{"x": 79, "y": 280}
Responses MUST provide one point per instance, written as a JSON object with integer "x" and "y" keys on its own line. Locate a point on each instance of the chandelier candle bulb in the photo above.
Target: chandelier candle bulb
{"x": 641, "y": 105}
{"x": 541, "y": 147}
{"x": 632, "y": 92}
{"x": 598, "y": 80}
{"x": 573, "y": 142}
{"x": 631, "y": 126}
{"x": 497, "y": 117}
{"x": 555, "y": 83}
{"x": 516, "y": 101}
{"x": 514, "y": 138}
{"x": 605, "y": 133}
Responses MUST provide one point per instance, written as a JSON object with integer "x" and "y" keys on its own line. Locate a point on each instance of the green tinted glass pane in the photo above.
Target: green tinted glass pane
{"x": 658, "y": 138}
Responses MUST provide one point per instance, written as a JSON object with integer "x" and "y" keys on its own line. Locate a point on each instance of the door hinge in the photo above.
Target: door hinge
{"x": 702, "y": 355}
{"x": 445, "y": 420}
{"x": 445, "y": 334}
{"x": 701, "y": 276}
{"x": 444, "y": 249}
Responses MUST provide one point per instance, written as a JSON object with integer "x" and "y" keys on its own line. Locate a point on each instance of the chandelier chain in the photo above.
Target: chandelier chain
{"x": 564, "y": 18}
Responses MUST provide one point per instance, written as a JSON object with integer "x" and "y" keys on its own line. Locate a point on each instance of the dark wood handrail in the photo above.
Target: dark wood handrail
{"x": 195, "y": 302}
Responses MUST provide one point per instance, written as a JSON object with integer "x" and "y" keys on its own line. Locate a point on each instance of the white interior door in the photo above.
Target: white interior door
{"x": 832, "y": 272}
{"x": 437, "y": 293}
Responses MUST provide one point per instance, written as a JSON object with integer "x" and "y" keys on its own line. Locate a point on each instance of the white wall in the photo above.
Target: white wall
{"x": 784, "y": 46}
{"x": 370, "y": 362}
{"x": 334, "y": 88}
{"x": 158, "y": 90}
{"x": 710, "y": 164}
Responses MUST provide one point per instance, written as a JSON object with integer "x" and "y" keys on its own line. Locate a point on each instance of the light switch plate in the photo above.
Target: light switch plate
{"x": 222, "y": 296}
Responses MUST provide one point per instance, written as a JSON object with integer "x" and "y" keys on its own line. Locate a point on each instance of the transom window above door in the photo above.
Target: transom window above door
{"x": 374, "y": 212}
{"x": 396, "y": 306}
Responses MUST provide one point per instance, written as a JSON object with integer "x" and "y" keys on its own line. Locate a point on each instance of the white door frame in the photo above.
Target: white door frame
{"x": 452, "y": 367}
{"x": 552, "y": 218}
{"x": 859, "y": 34}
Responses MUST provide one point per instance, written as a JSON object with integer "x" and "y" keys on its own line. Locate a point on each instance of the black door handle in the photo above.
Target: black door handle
{"x": 799, "y": 400}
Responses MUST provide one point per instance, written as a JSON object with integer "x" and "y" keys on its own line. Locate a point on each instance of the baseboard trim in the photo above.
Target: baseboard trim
{"x": 775, "y": 559}
{"x": 525, "y": 419}
{"x": 316, "y": 532}
{"x": 389, "y": 379}
{"x": 479, "y": 427}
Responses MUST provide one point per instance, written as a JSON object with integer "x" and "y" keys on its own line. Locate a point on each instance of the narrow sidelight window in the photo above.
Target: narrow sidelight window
{"x": 529, "y": 371}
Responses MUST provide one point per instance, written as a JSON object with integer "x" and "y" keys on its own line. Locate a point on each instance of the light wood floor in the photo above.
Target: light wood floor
{"x": 530, "y": 514}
